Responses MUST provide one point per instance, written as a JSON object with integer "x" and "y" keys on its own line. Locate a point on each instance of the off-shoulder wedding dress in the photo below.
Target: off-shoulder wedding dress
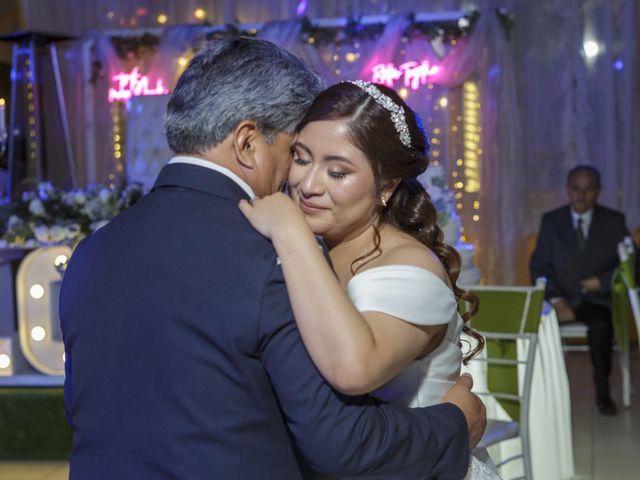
{"x": 418, "y": 296}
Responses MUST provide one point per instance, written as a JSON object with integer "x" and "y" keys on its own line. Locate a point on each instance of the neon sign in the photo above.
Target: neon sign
{"x": 133, "y": 84}
{"x": 414, "y": 73}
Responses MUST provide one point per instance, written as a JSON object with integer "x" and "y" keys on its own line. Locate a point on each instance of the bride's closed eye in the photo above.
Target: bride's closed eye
{"x": 337, "y": 175}
{"x": 297, "y": 158}
{"x": 300, "y": 161}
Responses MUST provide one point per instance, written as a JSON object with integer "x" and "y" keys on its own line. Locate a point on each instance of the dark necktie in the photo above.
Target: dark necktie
{"x": 580, "y": 234}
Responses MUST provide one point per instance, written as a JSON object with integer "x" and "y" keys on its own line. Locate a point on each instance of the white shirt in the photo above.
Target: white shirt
{"x": 586, "y": 223}
{"x": 214, "y": 166}
{"x": 586, "y": 220}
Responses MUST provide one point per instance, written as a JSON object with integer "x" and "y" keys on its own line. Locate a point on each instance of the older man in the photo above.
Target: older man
{"x": 183, "y": 358}
{"x": 577, "y": 253}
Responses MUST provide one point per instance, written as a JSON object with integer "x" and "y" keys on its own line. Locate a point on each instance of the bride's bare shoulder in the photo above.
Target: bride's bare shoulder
{"x": 405, "y": 250}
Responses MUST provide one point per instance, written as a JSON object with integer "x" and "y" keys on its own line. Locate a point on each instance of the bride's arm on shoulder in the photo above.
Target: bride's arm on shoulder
{"x": 356, "y": 353}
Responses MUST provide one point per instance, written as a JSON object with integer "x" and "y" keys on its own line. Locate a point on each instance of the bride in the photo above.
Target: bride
{"x": 385, "y": 320}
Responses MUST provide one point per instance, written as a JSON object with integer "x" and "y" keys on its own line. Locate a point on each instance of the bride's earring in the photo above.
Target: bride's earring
{"x": 384, "y": 202}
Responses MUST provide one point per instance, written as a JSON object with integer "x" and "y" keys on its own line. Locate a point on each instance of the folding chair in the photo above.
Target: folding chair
{"x": 628, "y": 275}
{"x": 508, "y": 316}
{"x": 625, "y": 301}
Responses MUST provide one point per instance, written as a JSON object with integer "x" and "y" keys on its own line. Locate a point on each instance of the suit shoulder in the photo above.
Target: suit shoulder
{"x": 555, "y": 214}
{"x": 610, "y": 212}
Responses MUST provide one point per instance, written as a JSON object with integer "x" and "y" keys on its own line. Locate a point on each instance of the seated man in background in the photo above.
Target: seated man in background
{"x": 577, "y": 253}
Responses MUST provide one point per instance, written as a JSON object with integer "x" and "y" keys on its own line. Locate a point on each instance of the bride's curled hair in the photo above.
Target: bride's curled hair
{"x": 409, "y": 208}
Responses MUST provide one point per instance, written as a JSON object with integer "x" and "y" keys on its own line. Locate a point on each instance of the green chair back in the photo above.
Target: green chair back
{"x": 628, "y": 261}
{"x": 506, "y": 310}
{"x": 624, "y": 278}
{"x": 620, "y": 309}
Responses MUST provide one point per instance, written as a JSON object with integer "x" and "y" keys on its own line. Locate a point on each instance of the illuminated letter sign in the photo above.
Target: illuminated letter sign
{"x": 414, "y": 73}
{"x": 133, "y": 84}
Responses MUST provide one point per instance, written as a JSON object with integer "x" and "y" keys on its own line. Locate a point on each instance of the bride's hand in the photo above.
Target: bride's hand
{"x": 273, "y": 214}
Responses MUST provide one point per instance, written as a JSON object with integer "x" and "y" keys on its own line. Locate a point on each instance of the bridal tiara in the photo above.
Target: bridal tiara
{"x": 397, "y": 112}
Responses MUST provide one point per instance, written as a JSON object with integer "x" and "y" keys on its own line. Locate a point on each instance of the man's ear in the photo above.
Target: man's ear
{"x": 245, "y": 137}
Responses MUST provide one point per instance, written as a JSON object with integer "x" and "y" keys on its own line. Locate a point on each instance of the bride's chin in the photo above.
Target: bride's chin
{"x": 318, "y": 228}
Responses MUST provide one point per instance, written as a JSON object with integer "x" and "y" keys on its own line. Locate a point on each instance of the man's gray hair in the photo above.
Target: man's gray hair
{"x": 235, "y": 79}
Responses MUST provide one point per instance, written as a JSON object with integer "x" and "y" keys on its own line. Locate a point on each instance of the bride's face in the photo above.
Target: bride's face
{"x": 332, "y": 181}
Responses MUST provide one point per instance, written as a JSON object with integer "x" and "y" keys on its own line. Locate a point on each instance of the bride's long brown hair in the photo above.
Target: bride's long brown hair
{"x": 409, "y": 208}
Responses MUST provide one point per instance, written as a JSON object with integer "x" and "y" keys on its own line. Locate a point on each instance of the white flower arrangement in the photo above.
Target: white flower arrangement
{"x": 434, "y": 180}
{"x": 49, "y": 216}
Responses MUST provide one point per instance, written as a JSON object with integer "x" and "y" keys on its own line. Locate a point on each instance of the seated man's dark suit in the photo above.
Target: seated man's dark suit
{"x": 559, "y": 258}
{"x": 184, "y": 361}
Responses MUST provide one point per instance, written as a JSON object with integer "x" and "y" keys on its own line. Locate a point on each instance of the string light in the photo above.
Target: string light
{"x": 351, "y": 57}
{"x": 591, "y": 48}
{"x": 116, "y": 109}
{"x": 162, "y": 19}
{"x": 435, "y": 141}
{"x": 31, "y": 119}
{"x": 336, "y": 59}
{"x": 200, "y": 13}
{"x": 471, "y": 136}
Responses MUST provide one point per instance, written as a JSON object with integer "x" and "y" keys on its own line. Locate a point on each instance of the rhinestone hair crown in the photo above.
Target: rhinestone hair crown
{"x": 396, "y": 111}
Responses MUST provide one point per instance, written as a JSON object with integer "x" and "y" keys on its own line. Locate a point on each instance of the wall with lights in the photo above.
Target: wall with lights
{"x": 590, "y": 106}
{"x": 416, "y": 55}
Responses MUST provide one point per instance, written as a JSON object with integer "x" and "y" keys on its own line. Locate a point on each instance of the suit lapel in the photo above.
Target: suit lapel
{"x": 568, "y": 231}
{"x": 595, "y": 228}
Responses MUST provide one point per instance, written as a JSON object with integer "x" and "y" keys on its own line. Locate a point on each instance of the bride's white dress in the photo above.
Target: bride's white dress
{"x": 418, "y": 296}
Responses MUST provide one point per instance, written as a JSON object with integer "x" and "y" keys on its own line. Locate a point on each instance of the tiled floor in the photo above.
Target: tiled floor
{"x": 605, "y": 448}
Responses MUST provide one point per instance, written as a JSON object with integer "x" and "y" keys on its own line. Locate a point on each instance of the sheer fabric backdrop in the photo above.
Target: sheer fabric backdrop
{"x": 546, "y": 107}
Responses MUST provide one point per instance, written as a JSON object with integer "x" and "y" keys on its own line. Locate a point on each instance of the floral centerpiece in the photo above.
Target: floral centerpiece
{"x": 434, "y": 180}
{"x": 49, "y": 216}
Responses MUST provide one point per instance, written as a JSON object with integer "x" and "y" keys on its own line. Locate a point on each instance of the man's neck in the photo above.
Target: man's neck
{"x": 221, "y": 159}
{"x": 581, "y": 214}
{"x": 221, "y": 155}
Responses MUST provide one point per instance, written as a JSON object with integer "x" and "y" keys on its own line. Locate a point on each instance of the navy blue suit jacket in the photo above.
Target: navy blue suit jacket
{"x": 558, "y": 258}
{"x": 184, "y": 361}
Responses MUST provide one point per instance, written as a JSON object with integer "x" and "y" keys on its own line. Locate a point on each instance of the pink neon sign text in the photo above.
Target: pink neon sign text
{"x": 414, "y": 73}
{"x": 133, "y": 84}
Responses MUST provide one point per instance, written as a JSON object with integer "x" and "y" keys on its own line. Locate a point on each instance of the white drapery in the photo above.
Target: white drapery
{"x": 566, "y": 109}
{"x": 485, "y": 54}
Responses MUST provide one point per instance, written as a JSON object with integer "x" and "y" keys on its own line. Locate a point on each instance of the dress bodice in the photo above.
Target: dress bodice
{"x": 417, "y": 296}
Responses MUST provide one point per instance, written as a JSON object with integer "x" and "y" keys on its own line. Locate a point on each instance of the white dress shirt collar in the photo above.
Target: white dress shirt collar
{"x": 218, "y": 168}
{"x": 586, "y": 220}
